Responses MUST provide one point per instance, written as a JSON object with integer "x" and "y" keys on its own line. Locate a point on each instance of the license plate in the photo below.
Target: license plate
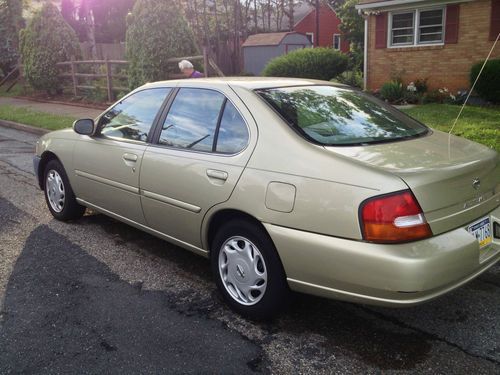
{"x": 481, "y": 229}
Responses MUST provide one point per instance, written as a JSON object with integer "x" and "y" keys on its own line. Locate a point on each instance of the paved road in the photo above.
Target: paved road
{"x": 99, "y": 296}
{"x": 53, "y": 108}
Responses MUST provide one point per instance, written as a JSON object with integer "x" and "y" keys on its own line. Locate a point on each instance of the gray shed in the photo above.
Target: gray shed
{"x": 258, "y": 49}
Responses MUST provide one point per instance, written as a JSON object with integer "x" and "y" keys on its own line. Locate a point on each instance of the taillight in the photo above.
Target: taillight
{"x": 393, "y": 218}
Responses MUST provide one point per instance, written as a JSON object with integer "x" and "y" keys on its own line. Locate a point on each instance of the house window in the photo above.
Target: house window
{"x": 403, "y": 28}
{"x": 310, "y": 36}
{"x": 336, "y": 42}
{"x": 430, "y": 26}
{"x": 416, "y": 27}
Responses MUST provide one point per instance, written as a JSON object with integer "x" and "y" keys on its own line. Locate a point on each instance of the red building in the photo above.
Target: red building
{"x": 329, "y": 33}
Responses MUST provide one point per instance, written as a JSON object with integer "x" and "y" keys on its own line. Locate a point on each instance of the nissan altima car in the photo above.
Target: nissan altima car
{"x": 285, "y": 185}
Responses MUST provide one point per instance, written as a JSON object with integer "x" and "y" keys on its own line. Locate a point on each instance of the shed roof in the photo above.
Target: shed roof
{"x": 266, "y": 39}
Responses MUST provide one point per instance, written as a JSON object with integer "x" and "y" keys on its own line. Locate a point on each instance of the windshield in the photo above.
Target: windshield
{"x": 337, "y": 116}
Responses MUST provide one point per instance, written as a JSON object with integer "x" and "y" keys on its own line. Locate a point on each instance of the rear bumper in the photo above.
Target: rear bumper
{"x": 391, "y": 275}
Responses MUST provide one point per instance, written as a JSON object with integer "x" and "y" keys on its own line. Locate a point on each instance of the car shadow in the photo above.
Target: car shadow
{"x": 66, "y": 312}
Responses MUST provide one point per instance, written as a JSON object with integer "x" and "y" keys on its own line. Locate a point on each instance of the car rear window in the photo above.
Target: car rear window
{"x": 334, "y": 116}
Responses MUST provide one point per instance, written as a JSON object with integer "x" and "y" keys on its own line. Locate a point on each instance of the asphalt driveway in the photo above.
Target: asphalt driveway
{"x": 99, "y": 296}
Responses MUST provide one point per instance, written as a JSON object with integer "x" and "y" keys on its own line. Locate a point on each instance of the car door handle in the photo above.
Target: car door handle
{"x": 130, "y": 157}
{"x": 218, "y": 175}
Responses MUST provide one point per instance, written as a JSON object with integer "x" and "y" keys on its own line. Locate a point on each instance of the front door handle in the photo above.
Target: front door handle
{"x": 218, "y": 175}
{"x": 130, "y": 157}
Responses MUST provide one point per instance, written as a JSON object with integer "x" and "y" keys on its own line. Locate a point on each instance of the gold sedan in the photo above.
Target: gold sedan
{"x": 285, "y": 184}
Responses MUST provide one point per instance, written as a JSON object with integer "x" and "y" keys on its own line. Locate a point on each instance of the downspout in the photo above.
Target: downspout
{"x": 365, "y": 56}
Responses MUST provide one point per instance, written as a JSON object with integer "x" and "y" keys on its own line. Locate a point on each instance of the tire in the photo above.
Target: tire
{"x": 248, "y": 271}
{"x": 59, "y": 196}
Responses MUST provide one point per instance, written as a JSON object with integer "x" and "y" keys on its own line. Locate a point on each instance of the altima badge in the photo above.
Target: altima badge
{"x": 476, "y": 183}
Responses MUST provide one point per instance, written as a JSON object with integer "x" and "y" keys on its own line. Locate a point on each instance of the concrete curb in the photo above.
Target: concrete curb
{"x": 23, "y": 127}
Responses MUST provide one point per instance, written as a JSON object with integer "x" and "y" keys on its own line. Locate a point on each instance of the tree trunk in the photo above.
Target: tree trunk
{"x": 290, "y": 14}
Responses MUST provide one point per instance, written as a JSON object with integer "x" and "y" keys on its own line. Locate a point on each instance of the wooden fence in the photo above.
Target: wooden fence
{"x": 77, "y": 76}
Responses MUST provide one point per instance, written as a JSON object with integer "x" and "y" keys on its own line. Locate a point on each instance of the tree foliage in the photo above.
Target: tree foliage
{"x": 106, "y": 18}
{"x": 352, "y": 24}
{"x": 11, "y": 21}
{"x": 157, "y": 31}
{"x": 316, "y": 63}
{"x": 47, "y": 40}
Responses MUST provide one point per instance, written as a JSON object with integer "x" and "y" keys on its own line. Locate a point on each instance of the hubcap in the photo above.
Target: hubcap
{"x": 54, "y": 188}
{"x": 243, "y": 270}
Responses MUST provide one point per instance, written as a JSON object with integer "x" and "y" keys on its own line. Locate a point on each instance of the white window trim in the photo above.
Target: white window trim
{"x": 340, "y": 42}
{"x": 312, "y": 37}
{"x": 416, "y": 25}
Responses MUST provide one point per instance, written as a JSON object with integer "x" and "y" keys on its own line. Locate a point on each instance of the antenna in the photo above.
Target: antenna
{"x": 474, "y": 85}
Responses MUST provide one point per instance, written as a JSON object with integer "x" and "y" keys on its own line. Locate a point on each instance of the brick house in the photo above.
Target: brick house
{"x": 435, "y": 39}
{"x": 329, "y": 33}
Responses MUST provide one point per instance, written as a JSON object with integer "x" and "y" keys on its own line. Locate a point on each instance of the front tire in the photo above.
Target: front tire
{"x": 248, "y": 271}
{"x": 59, "y": 196}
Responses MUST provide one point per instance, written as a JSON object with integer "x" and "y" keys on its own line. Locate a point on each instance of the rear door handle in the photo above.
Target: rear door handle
{"x": 130, "y": 157}
{"x": 218, "y": 175}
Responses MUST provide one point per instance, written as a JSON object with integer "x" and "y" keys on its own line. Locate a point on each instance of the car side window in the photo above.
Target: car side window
{"x": 233, "y": 131}
{"x": 192, "y": 120}
{"x": 132, "y": 118}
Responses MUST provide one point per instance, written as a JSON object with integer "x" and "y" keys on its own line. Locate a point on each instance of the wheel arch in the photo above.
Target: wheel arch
{"x": 45, "y": 158}
{"x": 217, "y": 220}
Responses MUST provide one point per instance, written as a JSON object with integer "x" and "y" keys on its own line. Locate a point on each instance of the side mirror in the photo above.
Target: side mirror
{"x": 84, "y": 126}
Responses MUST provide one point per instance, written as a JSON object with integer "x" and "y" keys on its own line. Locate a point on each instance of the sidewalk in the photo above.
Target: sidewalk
{"x": 52, "y": 108}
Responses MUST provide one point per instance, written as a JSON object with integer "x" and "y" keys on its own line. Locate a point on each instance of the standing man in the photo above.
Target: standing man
{"x": 187, "y": 69}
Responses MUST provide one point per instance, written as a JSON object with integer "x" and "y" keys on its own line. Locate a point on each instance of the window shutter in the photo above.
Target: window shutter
{"x": 495, "y": 19}
{"x": 452, "y": 20}
{"x": 381, "y": 30}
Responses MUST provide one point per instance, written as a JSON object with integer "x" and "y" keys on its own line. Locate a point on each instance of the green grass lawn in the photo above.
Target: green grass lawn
{"x": 35, "y": 118}
{"x": 479, "y": 124}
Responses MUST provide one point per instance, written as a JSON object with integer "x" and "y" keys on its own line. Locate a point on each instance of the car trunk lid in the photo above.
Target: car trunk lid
{"x": 454, "y": 180}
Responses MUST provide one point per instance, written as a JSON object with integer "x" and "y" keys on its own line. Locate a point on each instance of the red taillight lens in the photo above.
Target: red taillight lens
{"x": 393, "y": 218}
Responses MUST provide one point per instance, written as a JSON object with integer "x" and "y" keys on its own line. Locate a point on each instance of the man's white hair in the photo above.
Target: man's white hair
{"x": 185, "y": 64}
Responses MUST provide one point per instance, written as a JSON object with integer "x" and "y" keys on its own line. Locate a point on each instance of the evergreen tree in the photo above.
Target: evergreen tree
{"x": 156, "y": 31}
{"x": 47, "y": 40}
{"x": 11, "y": 21}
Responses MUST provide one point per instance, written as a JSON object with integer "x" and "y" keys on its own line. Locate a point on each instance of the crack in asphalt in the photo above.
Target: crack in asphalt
{"x": 4, "y": 138}
{"x": 431, "y": 336}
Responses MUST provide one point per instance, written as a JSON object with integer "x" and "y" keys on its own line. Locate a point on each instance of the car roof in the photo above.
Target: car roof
{"x": 250, "y": 83}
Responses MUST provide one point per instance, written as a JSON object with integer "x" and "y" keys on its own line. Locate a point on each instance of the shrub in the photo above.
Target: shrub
{"x": 421, "y": 85}
{"x": 488, "y": 85}
{"x": 352, "y": 78}
{"x": 156, "y": 31}
{"x": 393, "y": 91}
{"x": 11, "y": 22}
{"x": 47, "y": 40}
{"x": 316, "y": 63}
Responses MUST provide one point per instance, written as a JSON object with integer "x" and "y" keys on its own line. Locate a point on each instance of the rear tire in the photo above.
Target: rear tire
{"x": 59, "y": 196}
{"x": 248, "y": 271}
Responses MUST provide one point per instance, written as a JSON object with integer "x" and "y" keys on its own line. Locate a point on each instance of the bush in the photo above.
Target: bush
{"x": 47, "y": 40}
{"x": 316, "y": 63}
{"x": 11, "y": 21}
{"x": 393, "y": 91}
{"x": 488, "y": 85}
{"x": 352, "y": 78}
{"x": 421, "y": 85}
{"x": 156, "y": 31}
